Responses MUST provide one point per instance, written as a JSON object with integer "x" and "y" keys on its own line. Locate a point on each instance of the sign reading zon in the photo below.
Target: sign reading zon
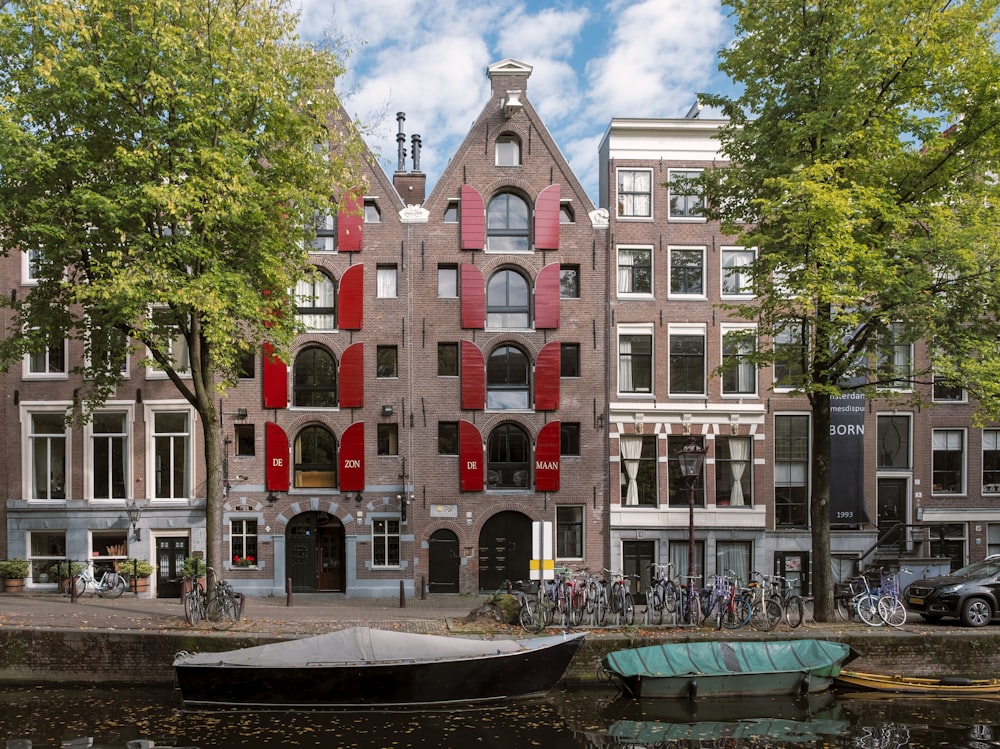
{"x": 352, "y": 463}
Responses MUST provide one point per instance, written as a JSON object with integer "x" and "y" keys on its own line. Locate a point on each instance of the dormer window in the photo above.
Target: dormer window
{"x": 372, "y": 214}
{"x": 508, "y": 150}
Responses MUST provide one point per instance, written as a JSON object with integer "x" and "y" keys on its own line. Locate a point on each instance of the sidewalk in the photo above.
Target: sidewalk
{"x": 310, "y": 613}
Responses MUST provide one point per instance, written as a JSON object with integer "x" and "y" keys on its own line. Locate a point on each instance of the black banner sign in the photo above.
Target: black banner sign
{"x": 847, "y": 459}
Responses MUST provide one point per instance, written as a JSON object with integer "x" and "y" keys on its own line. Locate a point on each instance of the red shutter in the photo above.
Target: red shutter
{"x": 351, "y": 298}
{"x": 547, "y": 298}
{"x": 277, "y": 456}
{"x": 274, "y": 374}
{"x": 473, "y": 215}
{"x": 350, "y": 224}
{"x": 471, "y": 457}
{"x": 547, "y": 219}
{"x": 547, "y": 458}
{"x": 351, "y": 379}
{"x": 547, "y": 368}
{"x": 351, "y": 456}
{"x": 473, "y": 377}
{"x": 473, "y": 298}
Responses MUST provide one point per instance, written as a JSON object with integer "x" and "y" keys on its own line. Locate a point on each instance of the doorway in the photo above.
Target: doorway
{"x": 315, "y": 555}
{"x": 171, "y": 551}
{"x": 892, "y": 506}
{"x": 504, "y": 550}
{"x": 636, "y": 558}
{"x": 444, "y": 562}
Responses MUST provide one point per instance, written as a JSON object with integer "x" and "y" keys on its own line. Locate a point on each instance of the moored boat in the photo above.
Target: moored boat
{"x": 944, "y": 686}
{"x": 720, "y": 668}
{"x": 365, "y": 667}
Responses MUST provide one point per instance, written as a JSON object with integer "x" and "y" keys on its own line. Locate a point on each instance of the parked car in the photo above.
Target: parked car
{"x": 970, "y": 594}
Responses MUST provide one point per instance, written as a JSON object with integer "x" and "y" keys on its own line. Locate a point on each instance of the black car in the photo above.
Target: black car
{"x": 971, "y": 593}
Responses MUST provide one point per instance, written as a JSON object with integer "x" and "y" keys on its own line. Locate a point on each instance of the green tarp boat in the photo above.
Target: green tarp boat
{"x": 698, "y": 669}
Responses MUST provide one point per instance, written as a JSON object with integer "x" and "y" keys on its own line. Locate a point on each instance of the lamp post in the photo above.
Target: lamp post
{"x": 690, "y": 459}
{"x": 134, "y": 513}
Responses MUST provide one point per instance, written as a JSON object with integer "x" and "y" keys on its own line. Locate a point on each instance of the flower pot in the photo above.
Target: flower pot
{"x": 13, "y": 585}
{"x": 141, "y": 584}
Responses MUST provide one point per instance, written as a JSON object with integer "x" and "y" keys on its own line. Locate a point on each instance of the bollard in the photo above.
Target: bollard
{"x": 288, "y": 592}
{"x": 402, "y": 595}
{"x": 423, "y": 588}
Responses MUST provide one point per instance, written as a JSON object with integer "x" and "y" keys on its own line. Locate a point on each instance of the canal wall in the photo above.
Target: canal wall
{"x": 72, "y": 656}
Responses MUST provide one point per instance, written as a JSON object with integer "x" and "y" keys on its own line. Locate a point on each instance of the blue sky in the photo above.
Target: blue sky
{"x": 592, "y": 61}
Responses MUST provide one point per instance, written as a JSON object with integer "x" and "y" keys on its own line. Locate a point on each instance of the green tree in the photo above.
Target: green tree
{"x": 863, "y": 150}
{"x": 160, "y": 161}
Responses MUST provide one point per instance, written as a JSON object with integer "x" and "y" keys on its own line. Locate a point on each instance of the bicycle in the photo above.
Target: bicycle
{"x": 690, "y": 603}
{"x": 661, "y": 595}
{"x": 110, "y": 584}
{"x": 622, "y": 605}
{"x": 791, "y": 602}
{"x": 866, "y": 602}
{"x": 195, "y": 601}
{"x": 225, "y": 608}
{"x": 765, "y": 608}
{"x": 735, "y": 607}
{"x": 890, "y": 604}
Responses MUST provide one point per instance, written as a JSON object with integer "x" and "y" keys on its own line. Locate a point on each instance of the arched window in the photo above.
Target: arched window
{"x": 508, "y": 458}
{"x": 316, "y": 302}
{"x": 315, "y": 459}
{"x": 508, "y": 150}
{"x": 507, "y": 372}
{"x": 315, "y": 379}
{"x": 508, "y": 298}
{"x": 507, "y": 224}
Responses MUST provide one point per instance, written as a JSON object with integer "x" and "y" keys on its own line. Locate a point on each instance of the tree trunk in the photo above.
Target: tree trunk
{"x": 819, "y": 510}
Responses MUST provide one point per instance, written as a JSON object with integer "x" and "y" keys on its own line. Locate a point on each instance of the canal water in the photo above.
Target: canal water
{"x": 574, "y": 719}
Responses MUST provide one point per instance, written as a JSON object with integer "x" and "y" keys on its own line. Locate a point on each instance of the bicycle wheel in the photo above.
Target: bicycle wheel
{"x": 795, "y": 611}
{"x": 892, "y": 611}
{"x": 737, "y": 613}
{"x": 766, "y": 615}
{"x": 221, "y": 612}
{"x": 628, "y": 610}
{"x": 867, "y": 607}
{"x": 115, "y": 589}
{"x": 79, "y": 586}
{"x": 192, "y": 606}
{"x": 616, "y": 598}
{"x": 844, "y": 608}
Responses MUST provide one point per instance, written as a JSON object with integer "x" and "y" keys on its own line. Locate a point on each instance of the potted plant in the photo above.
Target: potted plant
{"x": 138, "y": 572}
{"x": 192, "y": 568}
{"x": 13, "y": 572}
{"x": 63, "y": 572}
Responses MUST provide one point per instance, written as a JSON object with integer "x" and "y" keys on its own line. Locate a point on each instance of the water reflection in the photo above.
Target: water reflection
{"x": 584, "y": 719}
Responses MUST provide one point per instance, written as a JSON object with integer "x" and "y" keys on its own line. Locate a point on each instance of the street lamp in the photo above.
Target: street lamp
{"x": 134, "y": 513}
{"x": 690, "y": 459}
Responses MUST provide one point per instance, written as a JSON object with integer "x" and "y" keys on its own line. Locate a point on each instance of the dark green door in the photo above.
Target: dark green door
{"x": 504, "y": 550}
{"x": 170, "y": 554}
{"x": 444, "y": 562}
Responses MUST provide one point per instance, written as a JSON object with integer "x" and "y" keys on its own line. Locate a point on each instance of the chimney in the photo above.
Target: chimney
{"x": 411, "y": 186}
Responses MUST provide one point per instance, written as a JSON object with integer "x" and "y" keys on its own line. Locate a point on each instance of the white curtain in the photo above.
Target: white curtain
{"x": 631, "y": 450}
{"x": 624, "y": 365}
{"x": 626, "y": 259}
{"x": 739, "y": 454}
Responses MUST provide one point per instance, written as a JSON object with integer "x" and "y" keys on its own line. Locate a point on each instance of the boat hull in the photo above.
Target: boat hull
{"x": 727, "y": 669}
{"x": 462, "y": 679}
{"x": 951, "y": 686}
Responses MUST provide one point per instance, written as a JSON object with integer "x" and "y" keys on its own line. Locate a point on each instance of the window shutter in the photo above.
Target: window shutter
{"x": 547, "y": 219}
{"x": 352, "y": 459}
{"x": 547, "y": 298}
{"x": 274, "y": 374}
{"x": 547, "y": 458}
{"x": 473, "y": 217}
{"x": 473, "y": 298}
{"x": 471, "y": 457}
{"x": 276, "y": 450}
{"x": 547, "y": 377}
{"x": 350, "y": 224}
{"x": 351, "y": 379}
{"x": 473, "y": 377}
{"x": 351, "y": 298}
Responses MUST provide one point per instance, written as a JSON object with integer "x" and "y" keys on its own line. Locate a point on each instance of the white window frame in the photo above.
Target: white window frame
{"x": 727, "y": 328}
{"x": 671, "y": 294}
{"x": 126, "y": 368}
{"x": 694, "y": 330}
{"x": 744, "y": 285}
{"x": 682, "y": 217}
{"x": 991, "y": 440}
{"x": 902, "y": 361}
{"x": 28, "y": 259}
{"x": 328, "y": 225}
{"x": 636, "y": 329}
{"x": 652, "y": 272}
{"x": 311, "y": 295}
{"x": 126, "y": 408}
{"x": 620, "y": 213}
{"x": 384, "y": 538}
{"x": 386, "y": 281}
{"x": 153, "y": 372}
{"x": 151, "y": 409}
{"x": 943, "y": 439}
{"x": 513, "y": 148}
{"x": 46, "y": 374}
{"x": 232, "y": 535}
{"x": 449, "y": 274}
{"x": 27, "y": 409}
